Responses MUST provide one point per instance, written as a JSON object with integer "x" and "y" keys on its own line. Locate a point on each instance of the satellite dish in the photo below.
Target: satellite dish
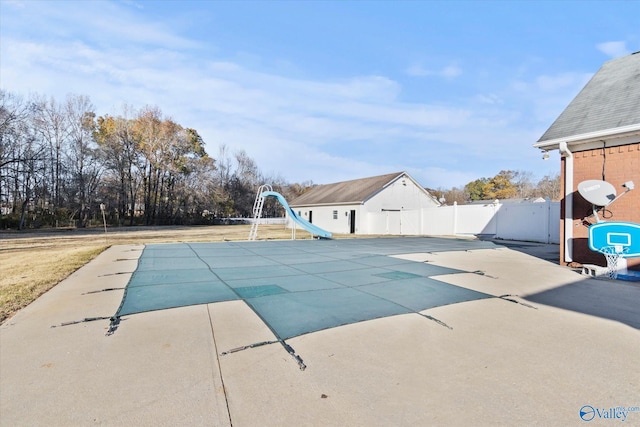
{"x": 596, "y": 192}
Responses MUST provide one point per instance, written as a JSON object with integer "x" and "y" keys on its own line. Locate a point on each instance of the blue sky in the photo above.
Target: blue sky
{"x": 329, "y": 91}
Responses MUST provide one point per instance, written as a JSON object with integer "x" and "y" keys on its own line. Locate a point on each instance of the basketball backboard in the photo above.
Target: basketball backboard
{"x": 623, "y": 236}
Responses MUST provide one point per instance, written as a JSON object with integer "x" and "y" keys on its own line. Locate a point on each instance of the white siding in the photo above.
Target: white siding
{"x": 396, "y": 209}
{"x": 402, "y": 194}
{"x": 322, "y": 216}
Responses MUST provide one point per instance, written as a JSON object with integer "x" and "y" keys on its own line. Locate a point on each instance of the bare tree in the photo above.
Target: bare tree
{"x": 549, "y": 186}
{"x": 152, "y": 146}
{"x": 224, "y": 172}
{"x": 21, "y": 155}
{"x": 13, "y": 115}
{"x": 82, "y": 162}
{"x": 52, "y": 125}
{"x": 523, "y": 181}
{"x": 449, "y": 196}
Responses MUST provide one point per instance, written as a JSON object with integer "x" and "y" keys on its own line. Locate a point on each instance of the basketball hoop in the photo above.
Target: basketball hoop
{"x": 613, "y": 254}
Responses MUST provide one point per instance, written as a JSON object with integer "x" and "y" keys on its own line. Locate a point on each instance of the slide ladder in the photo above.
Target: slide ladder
{"x": 257, "y": 210}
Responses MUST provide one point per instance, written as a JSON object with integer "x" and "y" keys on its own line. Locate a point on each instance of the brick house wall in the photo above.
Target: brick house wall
{"x": 615, "y": 165}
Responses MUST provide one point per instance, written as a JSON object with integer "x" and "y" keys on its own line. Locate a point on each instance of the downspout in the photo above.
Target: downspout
{"x": 568, "y": 201}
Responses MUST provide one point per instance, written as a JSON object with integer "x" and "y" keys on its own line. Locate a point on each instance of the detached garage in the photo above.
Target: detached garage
{"x": 385, "y": 204}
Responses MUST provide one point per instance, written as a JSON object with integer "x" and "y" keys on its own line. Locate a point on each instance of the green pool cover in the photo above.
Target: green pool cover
{"x": 297, "y": 287}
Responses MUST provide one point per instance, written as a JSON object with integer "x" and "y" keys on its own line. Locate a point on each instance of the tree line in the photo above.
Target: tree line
{"x": 507, "y": 184}
{"x": 61, "y": 164}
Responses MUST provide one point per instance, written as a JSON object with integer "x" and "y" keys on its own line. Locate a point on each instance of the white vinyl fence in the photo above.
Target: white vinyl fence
{"x": 534, "y": 222}
{"x": 261, "y": 221}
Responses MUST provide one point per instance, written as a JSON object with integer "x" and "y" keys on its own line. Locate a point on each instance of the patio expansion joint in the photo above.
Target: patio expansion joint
{"x": 215, "y": 348}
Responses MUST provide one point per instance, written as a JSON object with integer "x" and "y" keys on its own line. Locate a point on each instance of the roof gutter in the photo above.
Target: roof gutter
{"x": 568, "y": 200}
{"x": 619, "y": 132}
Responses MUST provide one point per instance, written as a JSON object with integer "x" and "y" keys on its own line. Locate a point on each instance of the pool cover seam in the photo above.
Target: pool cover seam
{"x": 318, "y": 275}
{"x": 172, "y": 283}
{"x": 305, "y": 273}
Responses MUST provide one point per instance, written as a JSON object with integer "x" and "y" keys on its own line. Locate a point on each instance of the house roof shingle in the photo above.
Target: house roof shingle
{"x": 354, "y": 191}
{"x": 611, "y": 99}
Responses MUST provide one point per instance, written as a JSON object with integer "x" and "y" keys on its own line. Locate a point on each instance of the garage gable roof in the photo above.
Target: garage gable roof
{"x": 610, "y": 100}
{"x": 354, "y": 191}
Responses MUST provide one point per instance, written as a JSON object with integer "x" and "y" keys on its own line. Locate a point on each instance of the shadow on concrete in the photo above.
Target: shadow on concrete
{"x": 546, "y": 251}
{"x": 608, "y": 299}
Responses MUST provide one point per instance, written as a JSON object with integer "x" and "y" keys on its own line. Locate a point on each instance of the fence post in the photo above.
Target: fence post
{"x": 455, "y": 218}
{"x": 547, "y": 225}
{"x": 496, "y": 215}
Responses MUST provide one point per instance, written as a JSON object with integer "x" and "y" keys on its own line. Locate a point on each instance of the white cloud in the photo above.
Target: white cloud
{"x": 20, "y": 4}
{"x": 104, "y": 23}
{"x": 491, "y": 99}
{"x": 613, "y": 49}
{"x": 132, "y": 3}
{"x": 418, "y": 71}
{"x": 449, "y": 72}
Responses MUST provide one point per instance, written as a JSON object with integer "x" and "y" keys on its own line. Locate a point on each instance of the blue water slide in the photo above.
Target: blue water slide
{"x": 313, "y": 229}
